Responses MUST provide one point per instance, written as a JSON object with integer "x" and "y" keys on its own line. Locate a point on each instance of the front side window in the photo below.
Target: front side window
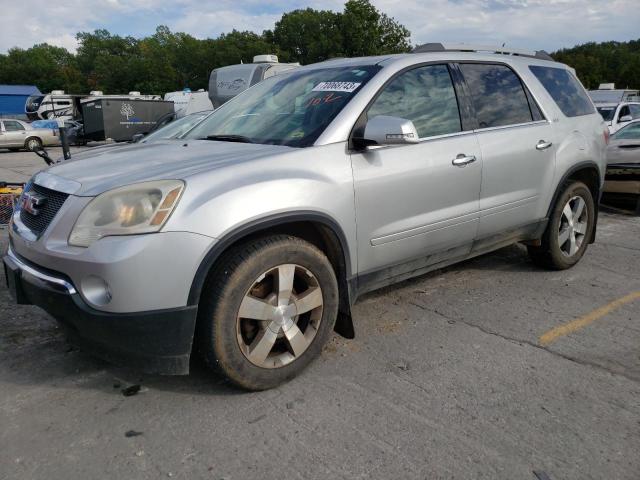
{"x": 635, "y": 111}
{"x": 12, "y": 126}
{"x": 497, "y": 95}
{"x": 565, "y": 90}
{"x": 290, "y": 109}
{"x": 424, "y": 95}
{"x": 630, "y": 132}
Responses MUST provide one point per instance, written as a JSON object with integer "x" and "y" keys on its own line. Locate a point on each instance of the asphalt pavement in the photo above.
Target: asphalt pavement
{"x": 490, "y": 369}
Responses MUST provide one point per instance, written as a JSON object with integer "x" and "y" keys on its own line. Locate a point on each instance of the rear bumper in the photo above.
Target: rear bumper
{"x": 152, "y": 342}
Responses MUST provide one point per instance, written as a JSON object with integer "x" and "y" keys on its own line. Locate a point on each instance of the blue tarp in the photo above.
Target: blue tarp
{"x": 13, "y": 98}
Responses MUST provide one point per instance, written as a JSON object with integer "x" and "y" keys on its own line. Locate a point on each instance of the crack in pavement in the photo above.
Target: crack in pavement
{"x": 519, "y": 341}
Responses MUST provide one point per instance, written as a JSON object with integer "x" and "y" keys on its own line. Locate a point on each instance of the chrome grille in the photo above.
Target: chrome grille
{"x": 54, "y": 201}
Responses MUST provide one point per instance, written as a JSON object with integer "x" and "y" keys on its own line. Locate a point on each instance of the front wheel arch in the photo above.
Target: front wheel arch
{"x": 314, "y": 227}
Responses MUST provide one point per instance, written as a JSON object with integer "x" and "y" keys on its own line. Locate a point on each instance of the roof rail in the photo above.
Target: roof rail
{"x": 463, "y": 47}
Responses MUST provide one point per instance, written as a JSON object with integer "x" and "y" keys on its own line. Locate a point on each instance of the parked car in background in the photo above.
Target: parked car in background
{"x": 177, "y": 128}
{"x": 17, "y": 135}
{"x": 623, "y": 163}
{"x": 249, "y": 239}
{"x": 75, "y": 132}
{"x": 617, "y": 115}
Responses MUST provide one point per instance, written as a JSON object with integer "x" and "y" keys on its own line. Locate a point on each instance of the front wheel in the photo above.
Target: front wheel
{"x": 569, "y": 230}
{"x": 267, "y": 310}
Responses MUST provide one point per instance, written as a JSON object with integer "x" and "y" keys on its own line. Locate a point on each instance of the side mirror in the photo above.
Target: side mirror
{"x": 137, "y": 137}
{"x": 387, "y": 130}
{"x": 625, "y": 119}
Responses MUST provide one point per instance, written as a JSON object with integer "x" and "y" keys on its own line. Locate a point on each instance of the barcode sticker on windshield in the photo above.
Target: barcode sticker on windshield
{"x": 347, "y": 87}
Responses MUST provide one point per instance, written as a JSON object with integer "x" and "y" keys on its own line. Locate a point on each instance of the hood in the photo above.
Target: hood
{"x": 172, "y": 159}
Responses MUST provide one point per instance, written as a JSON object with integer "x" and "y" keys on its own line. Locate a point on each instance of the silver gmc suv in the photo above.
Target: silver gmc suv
{"x": 249, "y": 238}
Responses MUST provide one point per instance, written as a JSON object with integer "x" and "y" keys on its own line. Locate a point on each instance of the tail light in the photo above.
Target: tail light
{"x": 606, "y": 136}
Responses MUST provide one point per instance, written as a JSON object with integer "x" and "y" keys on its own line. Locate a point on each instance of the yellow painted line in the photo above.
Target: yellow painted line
{"x": 555, "y": 333}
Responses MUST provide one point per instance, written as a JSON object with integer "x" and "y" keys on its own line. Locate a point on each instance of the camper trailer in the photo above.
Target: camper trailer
{"x": 227, "y": 82}
{"x": 64, "y": 106}
{"x": 187, "y": 102}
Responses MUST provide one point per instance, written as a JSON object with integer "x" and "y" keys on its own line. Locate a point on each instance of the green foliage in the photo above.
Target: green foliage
{"x": 607, "y": 62}
{"x": 309, "y": 35}
{"x": 44, "y": 65}
{"x": 167, "y": 61}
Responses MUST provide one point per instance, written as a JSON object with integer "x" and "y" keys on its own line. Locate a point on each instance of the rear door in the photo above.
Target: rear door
{"x": 517, "y": 144}
{"x": 413, "y": 206}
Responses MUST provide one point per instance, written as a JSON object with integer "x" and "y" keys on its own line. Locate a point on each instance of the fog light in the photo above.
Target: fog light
{"x": 95, "y": 290}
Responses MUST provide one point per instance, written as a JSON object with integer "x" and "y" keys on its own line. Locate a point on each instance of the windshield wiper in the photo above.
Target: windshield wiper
{"x": 228, "y": 138}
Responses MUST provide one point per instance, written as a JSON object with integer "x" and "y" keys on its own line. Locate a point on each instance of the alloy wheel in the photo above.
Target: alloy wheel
{"x": 279, "y": 316}
{"x": 573, "y": 226}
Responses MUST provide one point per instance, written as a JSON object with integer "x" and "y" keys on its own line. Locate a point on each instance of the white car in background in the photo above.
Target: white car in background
{"x": 16, "y": 135}
{"x": 617, "y": 115}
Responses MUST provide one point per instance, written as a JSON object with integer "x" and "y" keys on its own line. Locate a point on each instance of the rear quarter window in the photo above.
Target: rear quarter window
{"x": 565, "y": 90}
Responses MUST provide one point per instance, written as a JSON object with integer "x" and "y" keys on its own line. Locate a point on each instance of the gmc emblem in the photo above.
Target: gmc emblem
{"x": 32, "y": 202}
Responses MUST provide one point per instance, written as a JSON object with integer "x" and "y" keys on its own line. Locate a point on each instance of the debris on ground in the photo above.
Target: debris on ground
{"x": 132, "y": 433}
{"x": 131, "y": 390}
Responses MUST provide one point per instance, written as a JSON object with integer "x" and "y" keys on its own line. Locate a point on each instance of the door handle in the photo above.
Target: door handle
{"x": 542, "y": 145}
{"x": 463, "y": 160}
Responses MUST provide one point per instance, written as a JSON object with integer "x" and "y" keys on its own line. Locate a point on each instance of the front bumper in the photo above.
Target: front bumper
{"x": 156, "y": 341}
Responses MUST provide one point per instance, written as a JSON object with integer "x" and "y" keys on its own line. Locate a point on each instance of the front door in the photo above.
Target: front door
{"x": 414, "y": 207}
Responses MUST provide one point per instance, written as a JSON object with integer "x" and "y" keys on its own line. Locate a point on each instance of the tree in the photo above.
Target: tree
{"x": 308, "y": 36}
{"x": 607, "y": 62}
{"x": 43, "y": 65}
{"x": 369, "y": 32}
{"x": 167, "y": 61}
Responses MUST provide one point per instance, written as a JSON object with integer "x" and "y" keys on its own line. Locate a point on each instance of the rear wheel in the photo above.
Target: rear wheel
{"x": 267, "y": 310}
{"x": 32, "y": 144}
{"x": 569, "y": 230}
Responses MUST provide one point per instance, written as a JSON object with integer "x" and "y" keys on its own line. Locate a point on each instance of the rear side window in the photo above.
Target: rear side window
{"x": 565, "y": 90}
{"x": 497, "y": 95}
{"x": 424, "y": 95}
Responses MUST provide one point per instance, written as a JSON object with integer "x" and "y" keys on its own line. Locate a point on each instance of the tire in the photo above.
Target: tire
{"x": 252, "y": 272}
{"x": 32, "y": 144}
{"x": 564, "y": 242}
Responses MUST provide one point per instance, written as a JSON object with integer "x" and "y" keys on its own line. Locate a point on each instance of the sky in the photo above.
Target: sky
{"x": 530, "y": 24}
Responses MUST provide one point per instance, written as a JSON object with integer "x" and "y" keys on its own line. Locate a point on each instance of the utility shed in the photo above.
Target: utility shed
{"x": 13, "y": 99}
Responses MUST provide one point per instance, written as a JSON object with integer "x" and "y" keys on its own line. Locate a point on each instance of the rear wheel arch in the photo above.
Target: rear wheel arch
{"x": 30, "y": 138}
{"x": 313, "y": 227}
{"x": 587, "y": 173}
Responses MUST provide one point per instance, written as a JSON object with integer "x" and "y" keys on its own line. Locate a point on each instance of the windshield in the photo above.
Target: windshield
{"x": 290, "y": 109}
{"x": 606, "y": 113}
{"x": 176, "y": 128}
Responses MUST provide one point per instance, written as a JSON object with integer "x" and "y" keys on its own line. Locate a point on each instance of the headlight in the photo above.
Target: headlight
{"x": 138, "y": 208}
